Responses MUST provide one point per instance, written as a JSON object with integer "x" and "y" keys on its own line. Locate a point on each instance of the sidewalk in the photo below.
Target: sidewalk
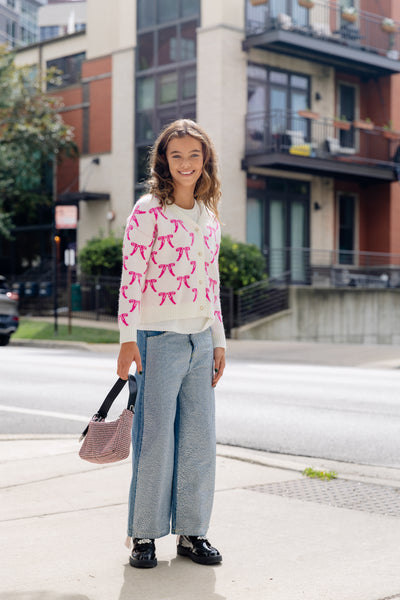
{"x": 63, "y": 526}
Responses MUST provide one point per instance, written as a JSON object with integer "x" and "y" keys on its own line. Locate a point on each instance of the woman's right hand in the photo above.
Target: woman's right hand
{"x": 128, "y": 353}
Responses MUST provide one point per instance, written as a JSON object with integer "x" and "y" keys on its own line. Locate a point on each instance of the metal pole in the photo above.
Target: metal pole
{"x": 69, "y": 298}
{"x": 55, "y": 249}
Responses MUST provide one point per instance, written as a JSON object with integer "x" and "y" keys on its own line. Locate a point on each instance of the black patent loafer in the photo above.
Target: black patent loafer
{"x": 198, "y": 549}
{"x": 143, "y": 555}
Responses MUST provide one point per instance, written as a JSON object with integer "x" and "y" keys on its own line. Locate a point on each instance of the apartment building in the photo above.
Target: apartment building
{"x": 18, "y": 22}
{"x": 299, "y": 96}
{"x": 58, "y": 18}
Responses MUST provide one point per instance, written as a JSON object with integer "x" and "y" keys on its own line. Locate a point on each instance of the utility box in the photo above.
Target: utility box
{"x": 76, "y": 297}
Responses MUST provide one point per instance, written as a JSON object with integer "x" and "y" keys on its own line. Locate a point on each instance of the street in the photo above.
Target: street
{"x": 343, "y": 413}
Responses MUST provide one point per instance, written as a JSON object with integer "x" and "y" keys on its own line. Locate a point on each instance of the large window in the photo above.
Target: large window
{"x": 274, "y": 99}
{"x": 70, "y": 68}
{"x": 166, "y": 70}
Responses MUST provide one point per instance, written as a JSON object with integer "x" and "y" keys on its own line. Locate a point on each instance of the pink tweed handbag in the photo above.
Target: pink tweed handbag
{"x": 107, "y": 442}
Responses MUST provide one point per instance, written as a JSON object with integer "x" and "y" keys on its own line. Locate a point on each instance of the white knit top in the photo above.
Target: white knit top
{"x": 170, "y": 278}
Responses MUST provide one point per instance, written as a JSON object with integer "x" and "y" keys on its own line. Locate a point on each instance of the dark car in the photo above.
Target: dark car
{"x": 9, "y": 319}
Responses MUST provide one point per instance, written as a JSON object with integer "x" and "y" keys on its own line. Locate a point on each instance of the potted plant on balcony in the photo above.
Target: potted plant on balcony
{"x": 307, "y": 113}
{"x": 258, "y": 2}
{"x": 389, "y": 25}
{"x": 364, "y": 124}
{"x": 306, "y": 3}
{"x": 341, "y": 123}
{"x": 389, "y": 133}
{"x": 349, "y": 13}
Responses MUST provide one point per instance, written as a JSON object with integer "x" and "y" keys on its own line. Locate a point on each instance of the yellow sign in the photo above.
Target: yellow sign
{"x": 301, "y": 150}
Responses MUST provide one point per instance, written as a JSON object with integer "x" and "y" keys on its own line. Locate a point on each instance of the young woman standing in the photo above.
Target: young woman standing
{"x": 171, "y": 327}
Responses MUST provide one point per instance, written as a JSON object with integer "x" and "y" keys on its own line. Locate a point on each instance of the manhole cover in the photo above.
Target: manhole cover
{"x": 339, "y": 493}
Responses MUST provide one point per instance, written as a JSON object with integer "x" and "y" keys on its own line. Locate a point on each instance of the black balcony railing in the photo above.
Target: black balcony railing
{"x": 281, "y": 131}
{"x": 327, "y": 21}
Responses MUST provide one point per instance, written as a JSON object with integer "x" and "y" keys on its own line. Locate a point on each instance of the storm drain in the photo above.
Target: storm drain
{"x": 339, "y": 493}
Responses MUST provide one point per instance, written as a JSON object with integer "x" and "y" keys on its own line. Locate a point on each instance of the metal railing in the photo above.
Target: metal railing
{"x": 289, "y": 132}
{"x": 253, "y": 302}
{"x": 334, "y": 268}
{"x": 327, "y": 20}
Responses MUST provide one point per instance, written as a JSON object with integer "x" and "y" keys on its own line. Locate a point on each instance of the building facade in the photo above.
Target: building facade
{"x": 18, "y": 22}
{"x": 61, "y": 18}
{"x": 299, "y": 97}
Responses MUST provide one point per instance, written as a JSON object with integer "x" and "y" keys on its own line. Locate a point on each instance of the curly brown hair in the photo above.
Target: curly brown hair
{"x": 208, "y": 187}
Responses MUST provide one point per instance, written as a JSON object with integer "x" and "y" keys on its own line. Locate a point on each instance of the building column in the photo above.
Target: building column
{"x": 222, "y": 101}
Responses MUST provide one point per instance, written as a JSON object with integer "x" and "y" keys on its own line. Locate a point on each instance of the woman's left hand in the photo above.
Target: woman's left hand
{"x": 219, "y": 365}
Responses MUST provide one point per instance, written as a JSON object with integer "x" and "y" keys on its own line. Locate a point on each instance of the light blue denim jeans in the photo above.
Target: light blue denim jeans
{"x": 173, "y": 436}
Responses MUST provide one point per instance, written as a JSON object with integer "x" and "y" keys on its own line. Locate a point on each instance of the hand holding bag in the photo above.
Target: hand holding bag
{"x": 110, "y": 442}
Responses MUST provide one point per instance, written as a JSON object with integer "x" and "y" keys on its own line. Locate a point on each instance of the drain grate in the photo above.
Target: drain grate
{"x": 339, "y": 493}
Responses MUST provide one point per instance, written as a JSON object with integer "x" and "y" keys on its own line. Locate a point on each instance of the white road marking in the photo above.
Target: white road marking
{"x": 45, "y": 413}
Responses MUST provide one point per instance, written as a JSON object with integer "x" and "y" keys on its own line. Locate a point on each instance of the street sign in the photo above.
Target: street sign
{"x": 69, "y": 258}
{"x": 66, "y": 216}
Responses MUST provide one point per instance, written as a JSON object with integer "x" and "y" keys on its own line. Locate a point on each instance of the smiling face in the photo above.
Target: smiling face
{"x": 185, "y": 162}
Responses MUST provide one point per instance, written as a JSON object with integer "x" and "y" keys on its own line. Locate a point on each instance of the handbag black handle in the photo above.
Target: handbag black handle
{"x": 111, "y": 396}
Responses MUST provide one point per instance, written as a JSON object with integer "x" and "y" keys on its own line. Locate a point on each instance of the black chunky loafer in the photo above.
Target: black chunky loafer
{"x": 143, "y": 555}
{"x": 198, "y": 549}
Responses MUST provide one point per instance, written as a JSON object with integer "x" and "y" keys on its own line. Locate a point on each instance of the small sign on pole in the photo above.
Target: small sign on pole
{"x": 66, "y": 216}
{"x": 69, "y": 261}
{"x": 69, "y": 258}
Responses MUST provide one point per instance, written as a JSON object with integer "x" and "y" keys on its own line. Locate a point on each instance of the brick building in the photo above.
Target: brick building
{"x": 299, "y": 96}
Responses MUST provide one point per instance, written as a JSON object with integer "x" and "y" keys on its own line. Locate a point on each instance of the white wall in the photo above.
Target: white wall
{"x": 221, "y": 101}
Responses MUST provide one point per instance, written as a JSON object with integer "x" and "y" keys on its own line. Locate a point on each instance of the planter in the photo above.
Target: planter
{"x": 342, "y": 124}
{"x": 364, "y": 125}
{"x": 391, "y": 135}
{"x": 306, "y": 3}
{"x": 349, "y": 17}
{"x": 308, "y": 114}
{"x": 258, "y": 2}
{"x": 389, "y": 28}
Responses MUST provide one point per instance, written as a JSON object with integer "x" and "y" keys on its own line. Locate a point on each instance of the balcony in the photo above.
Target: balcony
{"x": 286, "y": 140}
{"x": 367, "y": 45}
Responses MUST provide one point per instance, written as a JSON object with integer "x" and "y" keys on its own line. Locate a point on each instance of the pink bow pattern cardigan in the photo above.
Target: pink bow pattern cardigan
{"x": 170, "y": 269}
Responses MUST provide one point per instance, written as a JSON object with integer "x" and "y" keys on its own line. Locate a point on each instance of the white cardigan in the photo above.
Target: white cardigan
{"x": 170, "y": 269}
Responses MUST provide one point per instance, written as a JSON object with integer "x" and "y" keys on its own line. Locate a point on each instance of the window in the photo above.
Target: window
{"x": 347, "y": 220}
{"x": 49, "y": 32}
{"x": 168, "y": 88}
{"x": 11, "y": 3}
{"x": 158, "y": 12}
{"x": 70, "y": 68}
{"x": 145, "y": 93}
{"x": 11, "y": 29}
{"x": 189, "y": 84}
{"x": 347, "y": 95}
{"x": 146, "y": 51}
{"x": 167, "y": 46}
{"x": 188, "y": 41}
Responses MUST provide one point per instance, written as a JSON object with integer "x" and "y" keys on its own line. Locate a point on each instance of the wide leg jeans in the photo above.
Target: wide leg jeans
{"x": 173, "y": 436}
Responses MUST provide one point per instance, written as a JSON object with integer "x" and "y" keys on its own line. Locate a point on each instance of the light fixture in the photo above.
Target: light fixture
{"x": 317, "y": 206}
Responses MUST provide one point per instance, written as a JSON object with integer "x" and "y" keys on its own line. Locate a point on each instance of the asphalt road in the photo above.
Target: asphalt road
{"x": 342, "y": 413}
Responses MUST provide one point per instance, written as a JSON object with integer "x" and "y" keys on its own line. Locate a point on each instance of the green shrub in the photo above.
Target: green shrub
{"x": 240, "y": 264}
{"x": 101, "y": 256}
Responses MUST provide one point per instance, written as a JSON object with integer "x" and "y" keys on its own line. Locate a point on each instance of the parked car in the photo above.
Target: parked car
{"x": 9, "y": 318}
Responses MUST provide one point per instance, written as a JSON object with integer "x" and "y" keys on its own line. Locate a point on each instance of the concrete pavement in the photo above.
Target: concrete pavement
{"x": 283, "y": 536}
{"x": 62, "y": 530}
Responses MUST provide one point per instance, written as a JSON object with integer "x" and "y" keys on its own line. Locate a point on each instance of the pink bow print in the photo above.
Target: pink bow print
{"x": 213, "y": 283}
{"x": 164, "y": 295}
{"x": 162, "y": 239}
{"x": 218, "y": 314}
{"x": 193, "y": 263}
{"x": 195, "y": 294}
{"x": 155, "y": 230}
{"x": 178, "y": 222}
{"x": 137, "y": 247}
{"x": 134, "y": 303}
{"x": 181, "y": 251}
{"x": 134, "y": 219}
{"x": 125, "y": 259}
{"x": 123, "y": 291}
{"x": 157, "y": 210}
{"x": 153, "y": 255}
{"x": 150, "y": 282}
{"x": 206, "y": 242}
{"x": 208, "y": 294}
{"x": 165, "y": 267}
{"x": 135, "y": 276}
{"x": 192, "y": 238}
{"x": 123, "y": 318}
{"x": 183, "y": 279}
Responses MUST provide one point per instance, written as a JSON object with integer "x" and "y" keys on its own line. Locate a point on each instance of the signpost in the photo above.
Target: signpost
{"x": 69, "y": 261}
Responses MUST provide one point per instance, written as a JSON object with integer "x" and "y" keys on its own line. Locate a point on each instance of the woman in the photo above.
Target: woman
{"x": 171, "y": 327}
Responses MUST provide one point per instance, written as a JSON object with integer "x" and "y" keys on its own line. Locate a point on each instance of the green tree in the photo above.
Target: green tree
{"x": 101, "y": 256}
{"x": 32, "y": 135}
{"x": 240, "y": 264}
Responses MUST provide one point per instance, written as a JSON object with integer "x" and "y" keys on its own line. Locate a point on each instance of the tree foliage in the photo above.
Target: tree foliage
{"x": 240, "y": 264}
{"x": 101, "y": 256}
{"x": 32, "y": 135}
